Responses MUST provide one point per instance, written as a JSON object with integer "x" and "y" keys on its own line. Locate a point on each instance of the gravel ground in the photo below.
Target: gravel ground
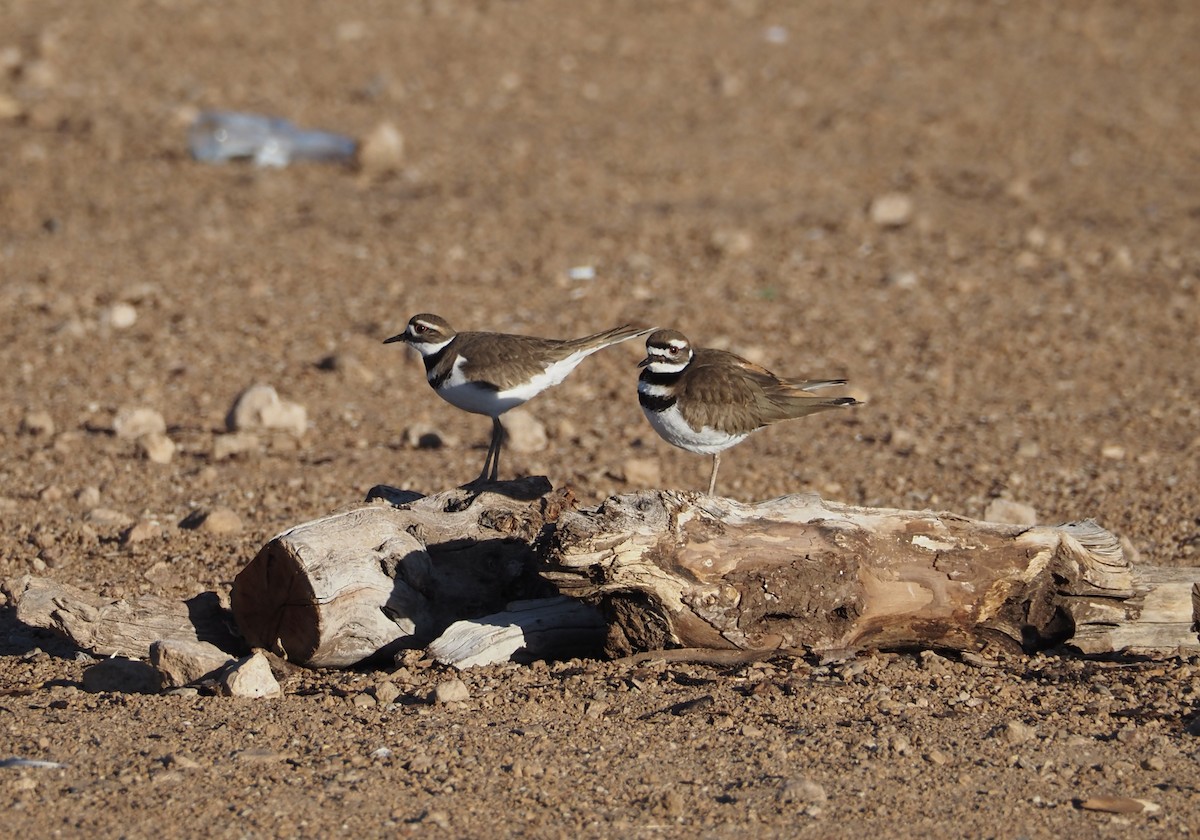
{"x": 986, "y": 215}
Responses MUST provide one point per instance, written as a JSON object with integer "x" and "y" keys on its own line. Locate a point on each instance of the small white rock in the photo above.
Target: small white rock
{"x": 121, "y": 316}
{"x": 251, "y": 677}
{"x": 1010, "y": 512}
{"x": 37, "y": 423}
{"x": 157, "y": 447}
{"x": 382, "y": 150}
{"x": 133, "y": 423}
{"x": 235, "y": 443}
{"x": 452, "y": 691}
{"x": 891, "y": 210}
{"x": 259, "y": 407}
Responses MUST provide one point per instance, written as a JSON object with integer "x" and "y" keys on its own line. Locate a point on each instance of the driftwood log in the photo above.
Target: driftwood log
{"x": 478, "y": 576}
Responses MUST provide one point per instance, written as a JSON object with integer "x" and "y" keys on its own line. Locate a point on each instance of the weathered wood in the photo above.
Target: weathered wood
{"x": 681, "y": 569}
{"x": 121, "y": 627}
{"x": 543, "y": 628}
{"x": 365, "y": 582}
{"x": 667, "y": 570}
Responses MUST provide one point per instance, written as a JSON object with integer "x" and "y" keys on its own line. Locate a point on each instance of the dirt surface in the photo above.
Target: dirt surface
{"x": 1021, "y": 316}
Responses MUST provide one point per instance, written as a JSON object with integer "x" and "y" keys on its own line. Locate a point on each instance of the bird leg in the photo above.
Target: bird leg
{"x": 493, "y": 455}
{"x": 712, "y": 479}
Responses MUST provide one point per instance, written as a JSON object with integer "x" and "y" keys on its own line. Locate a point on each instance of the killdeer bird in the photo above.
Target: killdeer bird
{"x": 489, "y": 373}
{"x": 706, "y": 401}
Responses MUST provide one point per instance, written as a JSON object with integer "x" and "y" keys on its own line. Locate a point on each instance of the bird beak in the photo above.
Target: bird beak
{"x": 402, "y": 337}
{"x": 644, "y": 362}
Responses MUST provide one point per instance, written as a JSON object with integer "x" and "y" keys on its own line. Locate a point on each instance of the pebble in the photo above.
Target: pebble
{"x": 235, "y": 443}
{"x": 179, "y": 663}
{"x": 250, "y": 677}
{"x": 140, "y": 531}
{"x": 157, "y": 447}
{"x": 108, "y": 518}
{"x": 1010, "y": 512}
{"x": 423, "y": 436}
{"x": 37, "y": 423}
{"x": 1118, "y": 805}
{"x": 88, "y": 497}
{"x": 525, "y": 433}
{"x": 451, "y": 691}
{"x": 386, "y": 693}
{"x": 891, "y": 210}
{"x": 135, "y": 422}
{"x": 1016, "y": 732}
{"x": 120, "y": 316}
{"x": 381, "y": 150}
{"x": 259, "y": 407}
{"x": 219, "y": 520}
{"x": 801, "y": 789}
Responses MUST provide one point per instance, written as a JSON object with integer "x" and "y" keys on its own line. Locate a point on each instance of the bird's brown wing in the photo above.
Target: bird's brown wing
{"x": 721, "y": 391}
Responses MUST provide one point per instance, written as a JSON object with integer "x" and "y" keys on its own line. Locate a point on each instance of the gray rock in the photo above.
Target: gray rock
{"x": 179, "y": 663}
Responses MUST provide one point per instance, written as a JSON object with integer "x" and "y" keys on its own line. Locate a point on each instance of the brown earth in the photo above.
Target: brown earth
{"x": 1028, "y": 333}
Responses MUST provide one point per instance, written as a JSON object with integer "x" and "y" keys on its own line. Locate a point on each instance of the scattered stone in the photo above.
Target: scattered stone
{"x": 423, "y": 437}
{"x": 180, "y": 762}
{"x": 236, "y": 443}
{"x": 108, "y": 518}
{"x": 259, "y": 407}
{"x": 157, "y": 447}
{"x": 133, "y": 423}
{"x": 220, "y": 520}
{"x": 180, "y": 663}
{"x": 903, "y": 441}
{"x": 801, "y": 789}
{"x": 904, "y": 280}
{"x": 250, "y": 677}
{"x": 386, "y": 693}
{"x": 731, "y": 243}
{"x": 936, "y": 757}
{"x": 1117, "y": 805}
{"x": 1112, "y": 452}
{"x": 140, "y": 531}
{"x": 120, "y": 316}
{"x": 525, "y": 433}
{"x": 1154, "y": 763}
{"x": 451, "y": 691}
{"x": 88, "y": 497}
{"x": 1013, "y": 513}
{"x": 161, "y": 574}
{"x": 381, "y": 150}
{"x": 1016, "y": 732}
{"x": 124, "y": 676}
{"x": 50, "y": 493}
{"x": 348, "y": 367}
{"x": 891, "y": 210}
{"x": 37, "y": 423}
{"x": 640, "y": 472}
{"x": 363, "y": 700}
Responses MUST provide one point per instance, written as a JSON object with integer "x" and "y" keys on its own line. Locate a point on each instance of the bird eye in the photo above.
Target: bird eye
{"x": 674, "y": 351}
{"x": 420, "y": 328}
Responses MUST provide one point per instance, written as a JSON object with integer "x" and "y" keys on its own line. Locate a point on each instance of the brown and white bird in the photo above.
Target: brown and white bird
{"x": 490, "y": 373}
{"x": 706, "y": 401}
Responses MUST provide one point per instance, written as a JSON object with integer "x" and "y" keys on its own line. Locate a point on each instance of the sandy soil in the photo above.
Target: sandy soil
{"x": 1026, "y": 331}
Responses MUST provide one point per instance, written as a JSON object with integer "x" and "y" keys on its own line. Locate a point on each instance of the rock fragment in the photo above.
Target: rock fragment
{"x": 37, "y": 423}
{"x": 259, "y": 407}
{"x": 180, "y": 663}
{"x": 125, "y": 676}
{"x": 221, "y": 520}
{"x": 451, "y": 691}
{"x": 135, "y": 422}
{"x": 1014, "y": 513}
{"x": 251, "y": 677}
{"x": 157, "y": 447}
{"x": 891, "y": 210}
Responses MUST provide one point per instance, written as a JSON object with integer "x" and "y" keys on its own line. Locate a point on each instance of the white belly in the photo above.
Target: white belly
{"x": 706, "y": 441}
{"x": 462, "y": 393}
